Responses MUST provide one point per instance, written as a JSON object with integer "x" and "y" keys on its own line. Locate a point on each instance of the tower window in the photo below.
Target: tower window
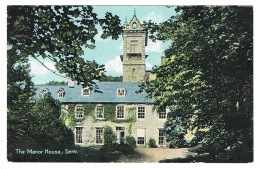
{"x": 134, "y": 46}
{"x": 133, "y": 71}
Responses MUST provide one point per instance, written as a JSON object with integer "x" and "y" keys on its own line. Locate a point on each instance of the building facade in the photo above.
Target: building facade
{"x": 118, "y": 104}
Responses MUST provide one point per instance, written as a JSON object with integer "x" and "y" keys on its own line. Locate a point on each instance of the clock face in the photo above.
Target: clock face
{"x": 134, "y": 25}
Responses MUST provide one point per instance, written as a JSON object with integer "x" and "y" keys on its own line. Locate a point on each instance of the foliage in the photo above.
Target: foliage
{"x": 59, "y": 33}
{"x": 56, "y": 83}
{"x": 109, "y": 136}
{"x": 207, "y": 78}
{"x": 111, "y": 79}
{"x": 152, "y": 143}
{"x": 175, "y": 129}
{"x": 44, "y": 131}
{"x": 130, "y": 140}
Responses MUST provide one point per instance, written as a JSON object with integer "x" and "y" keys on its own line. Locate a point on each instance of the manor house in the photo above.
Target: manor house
{"x": 118, "y": 104}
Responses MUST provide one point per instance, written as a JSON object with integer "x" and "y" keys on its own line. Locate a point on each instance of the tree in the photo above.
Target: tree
{"x": 59, "y": 33}
{"x": 111, "y": 79}
{"x": 20, "y": 91}
{"x": 44, "y": 130}
{"x": 207, "y": 79}
{"x": 56, "y": 83}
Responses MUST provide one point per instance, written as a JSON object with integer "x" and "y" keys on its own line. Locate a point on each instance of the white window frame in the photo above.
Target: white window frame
{"x": 79, "y": 109}
{"x": 120, "y": 108}
{"x": 140, "y": 136}
{"x": 61, "y": 93}
{"x": 99, "y": 111}
{"x": 162, "y": 114}
{"x": 161, "y": 138}
{"x": 78, "y": 135}
{"x": 87, "y": 93}
{"x": 139, "y": 112}
{"x": 44, "y": 91}
{"x": 121, "y": 92}
{"x": 99, "y": 135}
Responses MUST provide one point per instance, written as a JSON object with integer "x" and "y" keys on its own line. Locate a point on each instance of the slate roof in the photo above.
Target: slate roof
{"x": 108, "y": 95}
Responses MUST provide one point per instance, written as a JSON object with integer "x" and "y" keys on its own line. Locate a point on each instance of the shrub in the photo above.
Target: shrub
{"x": 152, "y": 143}
{"x": 178, "y": 143}
{"x": 109, "y": 136}
{"x": 130, "y": 140}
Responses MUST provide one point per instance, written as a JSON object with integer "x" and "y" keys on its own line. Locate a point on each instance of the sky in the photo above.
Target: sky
{"x": 108, "y": 51}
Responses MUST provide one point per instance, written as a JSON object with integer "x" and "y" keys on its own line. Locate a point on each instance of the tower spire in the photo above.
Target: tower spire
{"x": 126, "y": 20}
{"x": 134, "y": 12}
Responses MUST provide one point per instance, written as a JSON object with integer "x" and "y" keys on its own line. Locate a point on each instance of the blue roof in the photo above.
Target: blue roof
{"x": 108, "y": 95}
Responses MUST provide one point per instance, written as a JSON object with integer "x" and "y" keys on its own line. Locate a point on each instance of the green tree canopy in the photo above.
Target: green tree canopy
{"x": 59, "y": 33}
{"x": 207, "y": 79}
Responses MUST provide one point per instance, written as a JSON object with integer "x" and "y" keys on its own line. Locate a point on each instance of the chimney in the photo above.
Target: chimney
{"x": 71, "y": 83}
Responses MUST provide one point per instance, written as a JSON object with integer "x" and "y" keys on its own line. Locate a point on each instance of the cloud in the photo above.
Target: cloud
{"x": 120, "y": 47}
{"x": 39, "y": 69}
{"x": 155, "y": 17}
{"x": 148, "y": 66}
{"x": 114, "y": 66}
{"x": 153, "y": 46}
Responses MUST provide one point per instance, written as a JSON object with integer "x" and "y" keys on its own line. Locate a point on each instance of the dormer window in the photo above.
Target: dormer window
{"x": 86, "y": 91}
{"x": 61, "y": 93}
{"x": 121, "y": 92}
{"x": 45, "y": 91}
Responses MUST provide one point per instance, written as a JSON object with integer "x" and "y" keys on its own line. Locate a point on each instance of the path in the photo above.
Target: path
{"x": 154, "y": 155}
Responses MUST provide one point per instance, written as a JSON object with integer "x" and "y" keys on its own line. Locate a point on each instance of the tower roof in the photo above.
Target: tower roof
{"x": 134, "y": 24}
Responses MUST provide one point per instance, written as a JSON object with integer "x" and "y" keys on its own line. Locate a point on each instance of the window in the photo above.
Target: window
{"x": 140, "y": 140}
{"x": 61, "y": 93}
{"x": 141, "y": 136}
{"x": 162, "y": 114}
{"x": 120, "y": 114}
{"x": 99, "y": 132}
{"x": 120, "y": 134}
{"x": 141, "y": 112}
{"x": 121, "y": 92}
{"x": 44, "y": 91}
{"x": 99, "y": 112}
{"x": 79, "y": 134}
{"x": 86, "y": 91}
{"x": 79, "y": 110}
{"x": 133, "y": 46}
{"x": 161, "y": 137}
{"x": 133, "y": 71}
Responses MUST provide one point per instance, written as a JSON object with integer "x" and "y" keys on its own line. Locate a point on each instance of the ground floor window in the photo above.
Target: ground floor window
{"x": 120, "y": 134}
{"x": 161, "y": 137}
{"x": 99, "y": 132}
{"x": 140, "y": 140}
{"x": 140, "y": 136}
{"x": 79, "y": 134}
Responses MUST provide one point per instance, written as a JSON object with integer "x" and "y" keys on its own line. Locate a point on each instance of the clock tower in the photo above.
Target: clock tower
{"x": 133, "y": 58}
